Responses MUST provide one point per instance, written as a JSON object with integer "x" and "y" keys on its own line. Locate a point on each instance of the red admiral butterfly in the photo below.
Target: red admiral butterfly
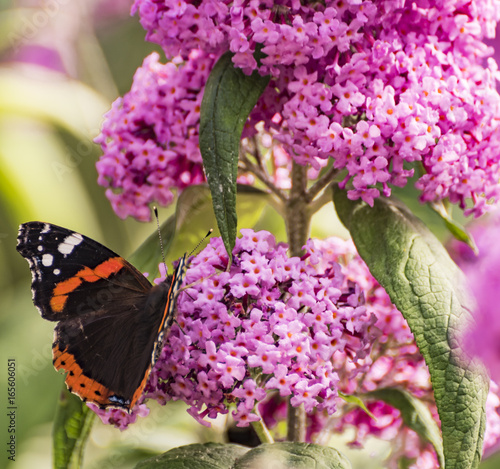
{"x": 110, "y": 318}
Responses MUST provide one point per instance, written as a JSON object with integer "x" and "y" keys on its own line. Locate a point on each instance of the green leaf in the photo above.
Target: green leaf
{"x": 429, "y": 290}
{"x": 415, "y": 415}
{"x": 72, "y": 426}
{"x": 455, "y": 228}
{"x": 229, "y": 97}
{"x": 196, "y": 456}
{"x": 288, "y": 455}
{"x": 193, "y": 218}
{"x": 355, "y": 400}
{"x": 284, "y": 455}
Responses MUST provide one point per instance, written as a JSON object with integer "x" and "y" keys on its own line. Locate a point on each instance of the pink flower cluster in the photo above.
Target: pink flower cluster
{"x": 150, "y": 136}
{"x": 270, "y": 323}
{"x": 376, "y": 85}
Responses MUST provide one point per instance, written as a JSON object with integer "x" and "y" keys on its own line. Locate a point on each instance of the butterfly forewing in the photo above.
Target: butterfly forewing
{"x": 64, "y": 262}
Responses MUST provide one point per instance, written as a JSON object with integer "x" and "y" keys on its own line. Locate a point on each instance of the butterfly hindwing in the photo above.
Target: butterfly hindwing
{"x": 109, "y": 350}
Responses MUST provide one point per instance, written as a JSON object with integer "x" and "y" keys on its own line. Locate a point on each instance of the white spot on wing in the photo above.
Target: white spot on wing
{"x": 40, "y": 248}
{"x": 47, "y": 260}
{"x": 46, "y": 228}
{"x": 57, "y": 271}
{"x": 66, "y": 247}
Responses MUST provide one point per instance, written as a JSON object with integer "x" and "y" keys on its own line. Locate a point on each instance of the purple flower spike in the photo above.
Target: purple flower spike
{"x": 150, "y": 136}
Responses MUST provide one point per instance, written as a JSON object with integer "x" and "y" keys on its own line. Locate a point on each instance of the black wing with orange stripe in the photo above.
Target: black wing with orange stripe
{"x": 64, "y": 262}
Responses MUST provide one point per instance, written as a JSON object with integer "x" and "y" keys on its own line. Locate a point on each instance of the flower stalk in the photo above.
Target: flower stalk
{"x": 297, "y": 214}
{"x": 262, "y": 431}
{"x": 297, "y": 221}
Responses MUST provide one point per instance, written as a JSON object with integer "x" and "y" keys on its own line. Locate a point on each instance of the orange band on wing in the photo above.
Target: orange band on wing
{"x": 102, "y": 271}
{"x": 87, "y": 275}
{"x": 57, "y": 303}
{"x": 109, "y": 267}
{"x": 59, "y": 295}
{"x": 140, "y": 389}
{"x": 87, "y": 389}
{"x": 67, "y": 286}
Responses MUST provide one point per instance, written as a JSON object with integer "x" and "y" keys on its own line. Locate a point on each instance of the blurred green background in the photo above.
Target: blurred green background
{"x": 62, "y": 64}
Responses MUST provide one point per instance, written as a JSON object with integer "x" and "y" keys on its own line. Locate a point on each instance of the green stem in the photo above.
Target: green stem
{"x": 77, "y": 456}
{"x": 297, "y": 213}
{"x": 320, "y": 201}
{"x": 259, "y": 173}
{"x": 262, "y": 431}
{"x": 298, "y": 221}
{"x": 322, "y": 183}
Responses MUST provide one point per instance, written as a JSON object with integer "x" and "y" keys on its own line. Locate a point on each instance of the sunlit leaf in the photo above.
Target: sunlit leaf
{"x": 430, "y": 291}
{"x": 72, "y": 426}
{"x": 285, "y": 455}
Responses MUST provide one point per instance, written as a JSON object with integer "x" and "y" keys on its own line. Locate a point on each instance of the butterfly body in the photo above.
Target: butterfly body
{"x": 110, "y": 318}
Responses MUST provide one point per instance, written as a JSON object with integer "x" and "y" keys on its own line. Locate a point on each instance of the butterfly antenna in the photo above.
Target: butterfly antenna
{"x": 155, "y": 209}
{"x": 210, "y": 231}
